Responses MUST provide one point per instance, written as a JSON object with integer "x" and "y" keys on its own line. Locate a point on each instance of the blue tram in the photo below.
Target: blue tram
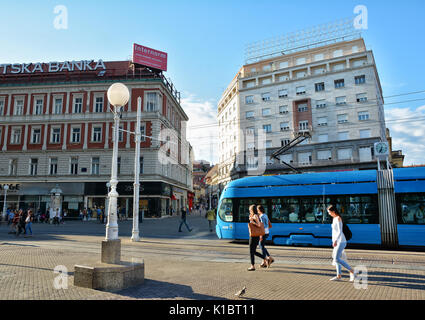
{"x": 378, "y": 213}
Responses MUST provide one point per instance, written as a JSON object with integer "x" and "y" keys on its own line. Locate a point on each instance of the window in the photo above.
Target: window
{"x": 284, "y": 142}
{"x": 265, "y": 96}
{"x": 1, "y": 107}
{"x": 253, "y": 69}
{"x": 354, "y": 49}
{"x": 33, "y": 166}
{"x": 301, "y": 61}
{"x": 118, "y": 165}
{"x": 319, "y": 56}
{"x": 15, "y": 136}
{"x": 359, "y": 63}
{"x": 337, "y": 53}
{"x": 343, "y": 135}
{"x": 250, "y": 114}
{"x": 411, "y": 209}
{"x": 250, "y": 145}
{"x": 340, "y": 101}
{"x": 99, "y": 104}
{"x": 267, "y": 67}
{"x": 152, "y": 101}
{"x": 365, "y": 133}
{"x": 268, "y": 144}
{"x": 365, "y": 154}
{"x": 319, "y": 70}
{"x": 323, "y": 137}
{"x": 58, "y": 106}
{"x": 284, "y": 126}
{"x": 303, "y": 125}
{"x": 283, "y": 109}
{"x": 267, "y": 128}
{"x": 143, "y": 132}
{"x": 141, "y": 165}
{"x": 95, "y": 165}
{"x": 342, "y": 118}
{"x": 74, "y": 165}
{"x": 360, "y": 79}
{"x": 55, "y": 135}
{"x": 302, "y": 107}
{"x": 249, "y": 99}
{"x": 38, "y": 109}
{"x": 249, "y": 84}
{"x": 266, "y": 81}
{"x": 75, "y": 135}
{"x": 364, "y": 115}
{"x": 36, "y": 135}
{"x": 361, "y": 97}
{"x": 286, "y": 158}
{"x": 78, "y": 105}
{"x": 19, "y": 107}
{"x": 53, "y": 170}
{"x": 304, "y": 158}
{"x": 322, "y": 121}
{"x": 300, "y": 90}
{"x": 283, "y": 78}
{"x": 267, "y": 112}
{"x": 97, "y": 134}
{"x": 339, "y": 83}
{"x": 338, "y": 67}
{"x": 324, "y": 155}
{"x": 283, "y": 93}
{"x": 250, "y": 130}
{"x": 320, "y": 86}
{"x": 344, "y": 154}
{"x": 320, "y": 104}
{"x": 13, "y": 167}
{"x": 284, "y": 64}
{"x": 301, "y": 74}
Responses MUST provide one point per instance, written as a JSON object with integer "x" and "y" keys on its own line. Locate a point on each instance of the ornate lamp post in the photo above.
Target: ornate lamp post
{"x": 118, "y": 96}
{"x": 5, "y": 188}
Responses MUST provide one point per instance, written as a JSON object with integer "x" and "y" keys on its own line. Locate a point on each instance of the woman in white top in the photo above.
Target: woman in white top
{"x": 339, "y": 243}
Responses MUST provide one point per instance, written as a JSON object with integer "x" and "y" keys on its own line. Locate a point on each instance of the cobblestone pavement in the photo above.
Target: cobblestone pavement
{"x": 196, "y": 265}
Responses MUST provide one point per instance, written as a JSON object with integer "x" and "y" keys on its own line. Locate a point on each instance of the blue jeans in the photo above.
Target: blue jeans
{"x": 181, "y": 223}
{"x": 338, "y": 258}
{"x": 28, "y": 226}
{"x": 262, "y": 247}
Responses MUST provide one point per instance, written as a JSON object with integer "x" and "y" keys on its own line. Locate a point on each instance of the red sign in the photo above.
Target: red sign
{"x": 149, "y": 57}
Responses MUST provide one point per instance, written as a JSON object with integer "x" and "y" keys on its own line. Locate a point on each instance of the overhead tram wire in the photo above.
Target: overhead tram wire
{"x": 212, "y": 125}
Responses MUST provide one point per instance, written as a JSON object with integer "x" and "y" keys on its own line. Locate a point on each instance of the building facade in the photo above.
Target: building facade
{"x": 330, "y": 94}
{"x": 56, "y": 129}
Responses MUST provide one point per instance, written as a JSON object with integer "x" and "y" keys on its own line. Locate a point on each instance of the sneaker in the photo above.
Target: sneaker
{"x": 251, "y": 269}
{"x": 335, "y": 279}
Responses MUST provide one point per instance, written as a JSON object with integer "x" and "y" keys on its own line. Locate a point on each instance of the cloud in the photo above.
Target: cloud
{"x": 407, "y": 130}
{"x": 202, "y": 127}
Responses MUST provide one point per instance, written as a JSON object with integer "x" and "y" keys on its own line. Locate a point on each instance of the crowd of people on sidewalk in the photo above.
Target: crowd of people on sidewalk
{"x": 20, "y": 221}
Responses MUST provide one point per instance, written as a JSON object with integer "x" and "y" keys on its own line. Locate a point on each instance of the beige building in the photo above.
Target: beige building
{"x": 331, "y": 93}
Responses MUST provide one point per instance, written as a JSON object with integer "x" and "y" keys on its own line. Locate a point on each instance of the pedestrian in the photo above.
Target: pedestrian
{"x": 11, "y": 215}
{"x": 15, "y": 221}
{"x": 28, "y": 223}
{"x": 256, "y": 229}
{"x": 183, "y": 220}
{"x": 267, "y": 225}
{"x": 210, "y": 215}
{"x": 21, "y": 223}
{"x": 339, "y": 243}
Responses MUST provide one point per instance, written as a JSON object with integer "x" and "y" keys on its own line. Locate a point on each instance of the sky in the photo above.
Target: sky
{"x": 205, "y": 42}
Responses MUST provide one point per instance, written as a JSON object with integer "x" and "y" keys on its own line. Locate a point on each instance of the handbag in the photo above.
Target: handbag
{"x": 256, "y": 231}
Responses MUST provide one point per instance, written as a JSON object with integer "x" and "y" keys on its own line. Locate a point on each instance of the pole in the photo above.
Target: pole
{"x": 135, "y": 234}
{"x": 112, "y": 226}
{"x": 4, "y": 205}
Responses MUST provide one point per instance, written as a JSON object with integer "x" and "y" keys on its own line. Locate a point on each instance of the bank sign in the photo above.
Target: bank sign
{"x": 51, "y": 67}
{"x": 149, "y": 57}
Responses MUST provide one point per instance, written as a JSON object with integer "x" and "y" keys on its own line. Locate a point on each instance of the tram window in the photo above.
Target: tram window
{"x": 411, "y": 209}
{"x": 282, "y": 208}
{"x": 244, "y": 204}
{"x": 358, "y": 209}
{"x": 226, "y": 210}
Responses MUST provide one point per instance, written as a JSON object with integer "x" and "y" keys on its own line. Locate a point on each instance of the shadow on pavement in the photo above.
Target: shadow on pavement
{"x": 153, "y": 289}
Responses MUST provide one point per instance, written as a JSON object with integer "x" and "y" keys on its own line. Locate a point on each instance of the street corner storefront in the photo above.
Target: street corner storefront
{"x": 154, "y": 198}
{"x": 38, "y": 196}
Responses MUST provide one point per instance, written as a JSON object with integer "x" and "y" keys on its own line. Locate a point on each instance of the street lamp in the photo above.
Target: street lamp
{"x": 5, "y": 188}
{"x": 135, "y": 234}
{"x": 118, "y": 96}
